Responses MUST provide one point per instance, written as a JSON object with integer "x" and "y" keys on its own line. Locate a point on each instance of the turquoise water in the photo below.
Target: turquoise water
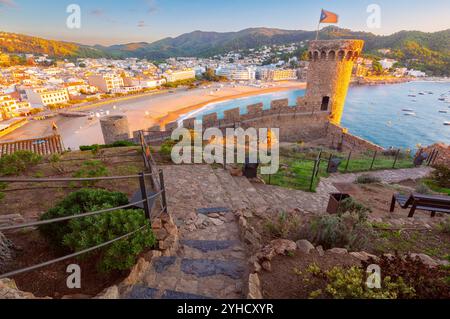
{"x": 376, "y": 112}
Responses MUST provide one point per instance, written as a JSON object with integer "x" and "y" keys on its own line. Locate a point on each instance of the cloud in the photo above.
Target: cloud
{"x": 142, "y": 24}
{"x": 151, "y": 6}
{"x": 8, "y": 3}
{"x": 97, "y": 12}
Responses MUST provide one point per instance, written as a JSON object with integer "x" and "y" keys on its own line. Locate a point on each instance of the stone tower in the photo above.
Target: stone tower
{"x": 329, "y": 74}
{"x": 115, "y": 128}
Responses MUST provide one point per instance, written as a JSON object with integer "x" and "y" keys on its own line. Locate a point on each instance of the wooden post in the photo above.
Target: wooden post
{"x": 329, "y": 162}
{"x": 373, "y": 160}
{"x": 163, "y": 190}
{"x": 144, "y": 195}
{"x": 396, "y": 158}
{"x": 313, "y": 175}
{"x": 348, "y": 161}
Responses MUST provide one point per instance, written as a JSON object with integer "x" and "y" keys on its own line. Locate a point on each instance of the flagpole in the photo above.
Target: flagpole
{"x": 318, "y": 28}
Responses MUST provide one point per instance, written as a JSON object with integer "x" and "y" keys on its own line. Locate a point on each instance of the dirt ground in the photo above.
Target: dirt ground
{"x": 291, "y": 279}
{"x": 31, "y": 200}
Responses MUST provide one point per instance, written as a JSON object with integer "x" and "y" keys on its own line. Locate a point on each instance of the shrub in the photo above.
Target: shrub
{"x": 428, "y": 283}
{"x": 166, "y": 148}
{"x": 82, "y": 233}
{"x": 423, "y": 189}
{"x": 350, "y": 283}
{"x": 367, "y": 179}
{"x": 444, "y": 226}
{"x": 348, "y": 230}
{"x": 283, "y": 226}
{"x": 55, "y": 158}
{"x": 349, "y": 205}
{"x": 113, "y": 145}
{"x": 442, "y": 176}
{"x": 18, "y": 162}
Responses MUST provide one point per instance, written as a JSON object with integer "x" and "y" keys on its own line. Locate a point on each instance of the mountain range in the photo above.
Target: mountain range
{"x": 407, "y": 45}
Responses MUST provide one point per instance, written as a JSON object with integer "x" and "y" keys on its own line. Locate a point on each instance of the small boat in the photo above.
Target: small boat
{"x": 447, "y": 123}
{"x": 421, "y": 93}
{"x": 443, "y": 111}
{"x": 409, "y": 114}
{"x": 442, "y": 99}
{"x": 407, "y": 110}
{"x": 412, "y": 95}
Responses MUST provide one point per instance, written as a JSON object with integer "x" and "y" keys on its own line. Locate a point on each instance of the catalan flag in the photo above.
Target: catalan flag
{"x": 328, "y": 17}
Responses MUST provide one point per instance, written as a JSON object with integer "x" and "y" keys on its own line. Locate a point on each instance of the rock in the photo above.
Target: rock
{"x": 171, "y": 229}
{"x": 243, "y": 222}
{"x": 152, "y": 254}
{"x": 256, "y": 267}
{"x": 339, "y": 251}
{"x": 216, "y": 222}
{"x": 254, "y": 287}
{"x": 110, "y": 293}
{"x": 9, "y": 290}
{"x": 427, "y": 260}
{"x": 320, "y": 251}
{"x": 389, "y": 256}
{"x": 200, "y": 220}
{"x": 267, "y": 266}
{"x": 6, "y": 247}
{"x": 157, "y": 224}
{"x": 304, "y": 246}
{"x": 248, "y": 214}
{"x": 137, "y": 272}
{"x": 363, "y": 256}
{"x": 282, "y": 246}
{"x": 236, "y": 171}
{"x": 214, "y": 215}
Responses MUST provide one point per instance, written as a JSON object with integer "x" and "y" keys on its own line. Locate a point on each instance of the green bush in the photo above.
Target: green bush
{"x": 351, "y": 284}
{"x": 348, "y": 230}
{"x": 18, "y": 162}
{"x": 113, "y": 145}
{"x": 349, "y": 205}
{"x": 423, "y": 189}
{"x": 442, "y": 176}
{"x": 367, "y": 179}
{"x": 166, "y": 148}
{"x": 82, "y": 233}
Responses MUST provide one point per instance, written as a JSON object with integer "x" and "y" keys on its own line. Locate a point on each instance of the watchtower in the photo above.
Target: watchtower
{"x": 329, "y": 74}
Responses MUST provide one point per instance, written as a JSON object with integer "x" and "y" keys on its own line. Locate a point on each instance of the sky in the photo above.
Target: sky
{"x": 110, "y": 22}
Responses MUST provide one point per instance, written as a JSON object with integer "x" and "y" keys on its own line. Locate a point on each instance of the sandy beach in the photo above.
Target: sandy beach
{"x": 142, "y": 112}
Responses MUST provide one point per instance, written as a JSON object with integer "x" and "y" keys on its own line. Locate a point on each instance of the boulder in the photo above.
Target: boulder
{"x": 6, "y": 247}
{"x": 339, "y": 251}
{"x": 109, "y": 293}
{"x": 254, "y": 287}
{"x": 427, "y": 260}
{"x": 320, "y": 251}
{"x": 305, "y": 246}
{"x": 363, "y": 256}
{"x": 283, "y": 246}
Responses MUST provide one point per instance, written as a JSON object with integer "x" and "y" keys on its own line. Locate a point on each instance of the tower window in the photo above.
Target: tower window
{"x": 325, "y": 103}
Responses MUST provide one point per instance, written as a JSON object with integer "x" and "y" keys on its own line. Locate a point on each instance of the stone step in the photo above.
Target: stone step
{"x": 255, "y": 198}
{"x": 209, "y": 186}
{"x": 146, "y": 293}
{"x": 237, "y": 198}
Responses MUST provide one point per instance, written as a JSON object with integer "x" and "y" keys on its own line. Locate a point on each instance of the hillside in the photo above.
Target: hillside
{"x": 19, "y": 43}
{"x": 425, "y": 51}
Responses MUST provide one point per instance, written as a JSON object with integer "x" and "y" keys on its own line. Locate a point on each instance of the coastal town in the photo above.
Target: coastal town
{"x": 42, "y": 86}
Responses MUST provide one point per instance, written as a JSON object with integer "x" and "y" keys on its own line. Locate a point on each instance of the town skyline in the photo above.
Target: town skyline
{"x": 152, "y": 20}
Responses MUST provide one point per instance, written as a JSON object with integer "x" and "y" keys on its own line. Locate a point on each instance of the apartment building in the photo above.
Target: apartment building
{"x": 10, "y": 107}
{"x": 41, "y": 97}
{"x": 106, "y": 82}
{"x": 174, "y": 76}
{"x": 144, "y": 83}
{"x": 237, "y": 73}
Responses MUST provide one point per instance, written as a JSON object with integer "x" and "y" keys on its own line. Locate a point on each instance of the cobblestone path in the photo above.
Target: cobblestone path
{"x": 211, "y": 261}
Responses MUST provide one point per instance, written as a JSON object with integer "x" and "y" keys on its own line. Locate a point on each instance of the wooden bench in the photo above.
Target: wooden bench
{"x": 433, "y": 204}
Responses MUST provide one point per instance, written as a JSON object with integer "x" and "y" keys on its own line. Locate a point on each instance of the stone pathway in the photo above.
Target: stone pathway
{"x": 317, "y": 202}
{"x": 211, "y": 261}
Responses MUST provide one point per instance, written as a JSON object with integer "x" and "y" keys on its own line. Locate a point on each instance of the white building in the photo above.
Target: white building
{"x": 144, "y": 83}
{"x": 10, "y": 107}
{"x": 106, "y": 82}
{"x": 39, "y": 97}
{"x": 387, "y": 63}
{"x": 174, "y": 76}
{"x": 237, "y": 73}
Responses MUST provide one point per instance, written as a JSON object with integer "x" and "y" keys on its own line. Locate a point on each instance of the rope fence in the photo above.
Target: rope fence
{"x": 148, "y": 201}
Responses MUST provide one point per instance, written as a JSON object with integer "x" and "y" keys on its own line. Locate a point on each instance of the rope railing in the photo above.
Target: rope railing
{"x": 148, "y": 202}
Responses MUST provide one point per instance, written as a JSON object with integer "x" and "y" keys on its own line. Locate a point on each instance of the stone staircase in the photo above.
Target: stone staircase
{"x": 211, "y": 261}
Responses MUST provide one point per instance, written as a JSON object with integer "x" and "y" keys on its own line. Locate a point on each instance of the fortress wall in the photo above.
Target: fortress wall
{"x": 340, "y": 139}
